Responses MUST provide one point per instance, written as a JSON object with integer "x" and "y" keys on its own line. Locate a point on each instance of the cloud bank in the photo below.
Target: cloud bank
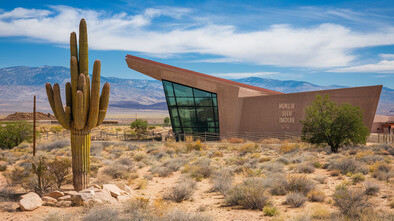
{"x": 323, "y": 46}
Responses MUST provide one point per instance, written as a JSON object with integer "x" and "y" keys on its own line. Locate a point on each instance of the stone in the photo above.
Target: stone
{"x": 113, "y": 189}
{"x": 64, "y": 198}
{"x": 127, "y": 189}
{"x": 71, "y": 192}
{"x": 66, "y": 203}
{"x": 55, "y": 194}
{"x": 96, "y": 186}
{"x": 81, "y": 199}
{"x": 49, "y": 201}
{"x": 105, "y": 197}
{"x": 124, "y": 198}
{"x": 87, "y": 191}
{"x": 30, "y": 201}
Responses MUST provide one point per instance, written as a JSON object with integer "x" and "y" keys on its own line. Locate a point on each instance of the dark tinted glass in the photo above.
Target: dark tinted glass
{"x": 191, "y": 110}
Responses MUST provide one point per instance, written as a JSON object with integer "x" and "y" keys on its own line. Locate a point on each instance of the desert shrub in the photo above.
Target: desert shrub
{"x": 58, "y": 216}
{"x": 59, "y": 169}
{"x": 116, "y": 170}
{"x": 277, "y": 184}
{"x": 349, "y": 165}
{"x": 305, "y": 168}
{"x": 139, "y": 126}
{"x": 300, "y": 183}
{"x": 183, "y": 190}
{"x": 251, "y": 194}
{"x": 179, "y": 215}
{"x": 139, "y": 156}
{"x": 216, "y": 153}
{"x": 295, "y": 199}
{"x": 195, "y": 146}
{"x": 287, "y": 148}
{"x": 12, "y": 134}
{"x": 222, "y": 181}
{"x": 200, "y": 169}
{"x": 102, "y": 179}
{"x": 273, "y": 167}
{"x": 283, "y": 159}
{"x": 235, "y": 140}
{"x": 369, "y": 159}
{"x": 351, "y": 202}
{"x": 382, "y": 171}
{"x": 248, "y": 148}
{"x": 58, "y": 144}
{"x": 43, "y": 180}
{"x": 321, "y": 179}
{"x": 371, "y": 188}
{"x": 126, "y": 161}
{"x": 161, "y": 171}
{"x": 3, "y": 167}
{"x": 174, "y": 164}
{"x": 270, "y": 211}
{"x": 316, "y": 196}
{"x": 102, "y": 213}
{"x": 142, "y": 184}
{"x": 320, "y": 212}
{"x": 335, "y": 173}
{"x": 358, "y": 177}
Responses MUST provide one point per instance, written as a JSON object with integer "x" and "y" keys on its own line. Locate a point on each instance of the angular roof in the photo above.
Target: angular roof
{"x": 149, "y": 67}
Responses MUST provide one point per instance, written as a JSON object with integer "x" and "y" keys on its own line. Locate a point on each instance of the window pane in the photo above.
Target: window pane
{"x": 183, "y": 91}
{"x": 215, "y": 109}
{"x": 171, "y": 101}
{"x": 185, "y": 101}
{"x": 200, "y": 93}
{"x": 188, "y": 116}
{"x": 169, "y": 91}
{"x": 176, "y": 129}
{"x": 174, "y": 117}
{"x": 204, "y": 116}
{"x": 203, "y": 101}
{"x": 215, "y": 102}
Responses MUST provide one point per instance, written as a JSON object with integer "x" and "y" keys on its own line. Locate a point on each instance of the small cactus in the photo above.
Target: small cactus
{"x": 85, "y": 108}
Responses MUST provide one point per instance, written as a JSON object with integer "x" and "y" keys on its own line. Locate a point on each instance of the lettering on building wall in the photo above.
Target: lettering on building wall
{"x": 286, "y": 113}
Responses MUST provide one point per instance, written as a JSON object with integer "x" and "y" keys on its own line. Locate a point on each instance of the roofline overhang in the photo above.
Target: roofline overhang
{"x": 146, "y": 66}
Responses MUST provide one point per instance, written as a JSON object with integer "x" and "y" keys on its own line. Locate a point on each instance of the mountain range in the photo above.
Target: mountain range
{"x": 19, "y": 84}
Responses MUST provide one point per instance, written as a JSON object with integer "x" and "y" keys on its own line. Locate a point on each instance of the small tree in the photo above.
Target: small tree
{"x": 166, "y": 121}
{"x": 12, "y": 134}
{"x": 140, "y": 126}
{"x": 59, "y": 169}
{"x": 336, "y": 125}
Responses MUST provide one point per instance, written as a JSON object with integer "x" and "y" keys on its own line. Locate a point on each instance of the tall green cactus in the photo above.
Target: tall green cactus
{"x": 85, "y": 108}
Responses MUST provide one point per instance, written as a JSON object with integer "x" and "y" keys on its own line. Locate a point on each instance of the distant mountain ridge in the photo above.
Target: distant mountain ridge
{"x": 19, "y": 84}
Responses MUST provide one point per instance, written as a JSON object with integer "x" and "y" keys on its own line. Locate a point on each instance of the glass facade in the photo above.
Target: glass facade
{"x": 191, "y": 110}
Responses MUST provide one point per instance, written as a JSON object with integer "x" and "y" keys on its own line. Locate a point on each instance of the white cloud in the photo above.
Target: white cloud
{"x": 383, "y": 66}
{"x": 387, "y": 56}
{"x": 243, "y": 75}
{"x": 322, "y": 46}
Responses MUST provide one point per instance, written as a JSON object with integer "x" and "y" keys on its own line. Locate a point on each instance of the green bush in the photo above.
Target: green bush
{"x": 336, "y": 125}
{"x": 12, "y": 134}
{"x": 139, "y": 126}
{"x": 270, "y": 211}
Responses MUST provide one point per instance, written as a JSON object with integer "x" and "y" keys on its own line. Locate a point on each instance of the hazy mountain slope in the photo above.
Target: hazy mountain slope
{"x": 19, "y": 84}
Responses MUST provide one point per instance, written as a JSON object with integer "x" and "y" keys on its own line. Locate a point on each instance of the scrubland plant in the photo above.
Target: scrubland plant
{"x": 351, "y": 202}
{"x": 295, "y": 199}
{"x": 85, "y": 108}
{"x": 183, "y": 190}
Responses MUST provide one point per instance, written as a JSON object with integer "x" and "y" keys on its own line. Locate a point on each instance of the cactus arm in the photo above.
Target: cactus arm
{"x": 95, "y": 96}
{"x": 104, "y": 99}
{"x": 61, "y": 115}
{"x": 73, "y": 45}
{"x": 74, "y": 81}
{"x": 83, "y": 48}
{"x": 68, "y": 95}
{"x": 78, "y": 123}
{"x": 68, "y": 114}
{"x": 49, "y": 90}
{"x": 86, "y": 99}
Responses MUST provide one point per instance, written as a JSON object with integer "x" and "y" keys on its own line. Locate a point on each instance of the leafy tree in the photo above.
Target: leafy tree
{"x": 166, "y": 121}
{"x": 140, "y": 126}
{"x": 14, "y": 133}
{"x": 335, "y": 125}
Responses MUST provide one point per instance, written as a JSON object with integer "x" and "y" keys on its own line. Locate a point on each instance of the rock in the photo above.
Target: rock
{"x": 64, "y": 198}
{"x": 113, "y": 189}
{"x": 124, "y": 198}
{"x": 105, "y": 197}
{"x": 66, "y": 203}
{"x": 49, "y": 201}
{"x": 81, "y": 199}
{"x": 30, "y": 201}
{"x": 55, "y": 194}
{"x": 127, "y": 189}
{"x": 96, "y": 186}
{"x": 87, "y": 191}
{"x": 71, "y": 192}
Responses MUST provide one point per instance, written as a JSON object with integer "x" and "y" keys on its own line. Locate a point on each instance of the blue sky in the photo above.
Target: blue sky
{"x": 323, "y": 42}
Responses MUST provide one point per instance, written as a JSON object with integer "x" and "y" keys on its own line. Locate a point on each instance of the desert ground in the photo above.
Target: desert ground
{"x": 231, "y": 179}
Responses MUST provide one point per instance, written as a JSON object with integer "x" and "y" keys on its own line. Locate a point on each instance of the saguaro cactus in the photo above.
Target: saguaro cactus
{"x": 85, "y": 108}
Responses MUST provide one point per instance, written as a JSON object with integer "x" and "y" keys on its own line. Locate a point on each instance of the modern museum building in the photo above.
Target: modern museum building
{"x": 204, "y": 104}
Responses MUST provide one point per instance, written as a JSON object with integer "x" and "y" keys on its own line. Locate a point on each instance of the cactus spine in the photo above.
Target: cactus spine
{"x": 85, "y": 108}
